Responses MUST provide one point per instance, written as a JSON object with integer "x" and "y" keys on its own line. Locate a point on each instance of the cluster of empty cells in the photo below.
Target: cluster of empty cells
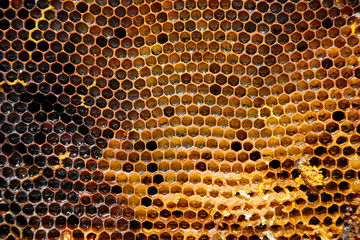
{"x": 178, "y": 119}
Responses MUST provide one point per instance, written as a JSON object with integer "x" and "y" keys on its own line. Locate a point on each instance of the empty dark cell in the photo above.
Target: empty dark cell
{"x": 62, "y": 15}
{"x": 347, "y": 151}
{"x": 15, "y": 159}
{"x": 27, "y": 138}
{"x": 37, "y": 76}
{"x": 274, "y": 164}
{"x": 48, "y": 173}
{"x": 120, "y": 32}
{"x": 276, "y": 29}
{"x": 9, "y": 219}
{"x": 146, "y": 202}
{"x": 338, "y": 116}
{"x": 39, "y": 138}
{"x": 236, "y": 146}
{"x": 58, "y": 108}
{"x": 302, "y": 46}
{"x": 75, "y": 16}
{"x": 44, "y": 88}
{"x": 7, "y": 128}
{"x": 152, "y": 167}
{"x": 314, "y": 221}
{"x": 28, "y": 160}
{"x": 30, "y": 45}
{"x": 169, "y": 111}
{"x": 77, "y": 119}
{"x": 108, "y": 133}
{"x": 152, "y": 190}
{"x": 28, "y": 209}
{"x": 101, "y": 41}
{"x": 29, "y": 24}
{"x": 4, "y": 24}
{"x": 342, "y": 162}
{"x": 151, "y": 145}
{"x": 69, "y": 89}
{"x": 57, "y": 88}
{"x": 53, "y": 183}
{"x": 21, "y": 221}
{"x": 68, "y": 47}
{"x": 66, "y": 186}
{"x": 41, "y": 209}
{"x": 13, "y": 138}
{"x": 215, "y": 89}
{"x": 4, "y": 230}
{"x": 344, "y": 186}
{"x": 158, "y": 179}
{"x": 250, "y": 5}
{"x": 82, "y": 7}
{"x": 327, "y": 23}
{"x": 255, "y": 155}
{"x": 56, "y": 46}
{"x": 18, "y": 66}
{"x": 332, "y": 127}
{"x": 14, "y": 185}
{"x": 24, "y": 56}
{"x": 5, "y": 66}
{"x": 250, "y": 27}
{"x": 83, "y": 130}
{"x": 320, "y": 151}
{"x": 162, "y": 38}
{"x": 69, "y": 68}
{"x": 327, "y": 63}
{"x": 21, "y": 148}
{"x": 282, "y": 18}
{"x": 11, "y": 56}
{"x": 49, "y": 35}
{"x": 134, "y": 225}
{"x": 63, "y": 57}
{"x": 116, "y": 189}
{"x": 60, "y": 196}
{"x": 35, "y": 196}
{"x": 269, "y": 18}
{"x": 60, "y": 173}
{"x": 44, "y": 67}
{"x": 75, "y": 38}
{"x": 11, "y": 76}
{"x": 43, "y": 25}
{"x": 71, "y": 128}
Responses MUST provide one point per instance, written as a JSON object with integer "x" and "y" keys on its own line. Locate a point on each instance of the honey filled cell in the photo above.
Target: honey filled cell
{"x": 179, "y": 119}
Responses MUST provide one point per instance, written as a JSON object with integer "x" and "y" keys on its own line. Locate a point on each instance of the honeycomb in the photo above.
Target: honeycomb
{"x": 179, "y": 120}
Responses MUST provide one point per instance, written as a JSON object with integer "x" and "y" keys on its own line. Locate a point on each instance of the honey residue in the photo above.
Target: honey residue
{"x": 177, "y": 197}
{"x": 310, "y": 174}
{"x": 353, "y": 28}
{"x": 14, "y": 83}
{"x": 264, "y": 186}
{"x": 62, "y": 157}
{"x": 37, "y": 23}
{"x": 83, "y": 96}
{"x": 66, "y": 235}
{"x": 269, "y": 235}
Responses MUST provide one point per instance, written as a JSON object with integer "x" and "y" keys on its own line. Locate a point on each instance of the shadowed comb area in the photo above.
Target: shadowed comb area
{"x": 179, "y": 119}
